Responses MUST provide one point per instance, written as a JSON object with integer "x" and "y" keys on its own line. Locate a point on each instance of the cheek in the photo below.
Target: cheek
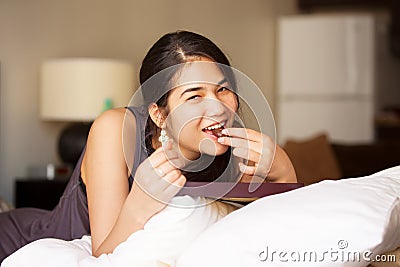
{"x": 182, "y": 123}
{"x": 231, "y": 102}
{"x": 184, "y": 114}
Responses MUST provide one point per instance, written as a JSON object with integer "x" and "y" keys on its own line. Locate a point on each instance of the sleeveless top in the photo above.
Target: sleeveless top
{"x": 69, "y": 219}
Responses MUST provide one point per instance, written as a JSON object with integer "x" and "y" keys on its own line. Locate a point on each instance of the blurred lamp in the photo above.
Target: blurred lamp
{"x": 78, "y": 90}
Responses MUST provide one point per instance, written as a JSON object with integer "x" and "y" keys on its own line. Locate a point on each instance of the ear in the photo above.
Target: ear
{"x": 156, "y": 115}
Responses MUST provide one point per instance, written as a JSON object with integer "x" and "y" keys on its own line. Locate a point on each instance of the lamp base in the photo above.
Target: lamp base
{"x": 72, "y": 141}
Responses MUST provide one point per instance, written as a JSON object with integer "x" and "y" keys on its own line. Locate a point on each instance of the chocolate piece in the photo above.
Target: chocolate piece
{"x": 218, "y": 132}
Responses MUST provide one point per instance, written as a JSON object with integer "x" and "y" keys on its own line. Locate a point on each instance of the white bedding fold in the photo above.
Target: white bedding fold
{"x": 163, "y": 239}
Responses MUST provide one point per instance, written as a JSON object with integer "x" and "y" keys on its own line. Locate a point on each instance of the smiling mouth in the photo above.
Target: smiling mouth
{"x": 215, "y": 129}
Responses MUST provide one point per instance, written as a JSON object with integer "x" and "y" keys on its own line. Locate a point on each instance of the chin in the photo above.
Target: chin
{"x": 215, "y": 150}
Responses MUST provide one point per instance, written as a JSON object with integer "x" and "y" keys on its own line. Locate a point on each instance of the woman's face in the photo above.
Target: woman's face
{"x": 200, "y": 106}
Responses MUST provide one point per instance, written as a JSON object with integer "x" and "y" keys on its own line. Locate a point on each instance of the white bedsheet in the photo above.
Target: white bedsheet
{"x": 163, "y": 239}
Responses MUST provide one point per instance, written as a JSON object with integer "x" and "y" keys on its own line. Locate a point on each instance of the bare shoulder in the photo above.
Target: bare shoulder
{"x": 105, "y": 140}
{"x": 109, "y": 118}
{"x": 112, "y": 122}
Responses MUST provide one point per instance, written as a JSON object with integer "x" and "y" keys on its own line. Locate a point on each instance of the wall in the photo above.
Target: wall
{"x": 33, "y": 31}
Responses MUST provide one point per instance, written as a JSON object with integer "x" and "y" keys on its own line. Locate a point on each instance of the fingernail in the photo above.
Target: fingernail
{"x": 224, "y": 131}
{"x": 221, "y": 140}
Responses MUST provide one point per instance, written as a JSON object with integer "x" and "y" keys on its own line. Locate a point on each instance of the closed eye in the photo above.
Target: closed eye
{"x": 193, "y": 97}
{"x": 224, "y": 89}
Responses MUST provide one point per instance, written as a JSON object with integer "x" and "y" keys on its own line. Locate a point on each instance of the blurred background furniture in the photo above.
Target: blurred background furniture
{"x": 78, "y": 90}
{"x": 317, "y": 158}
{"x": 326, "y": 76}
{"x": 4, "y": 205}
{"x": 39, "y": 192}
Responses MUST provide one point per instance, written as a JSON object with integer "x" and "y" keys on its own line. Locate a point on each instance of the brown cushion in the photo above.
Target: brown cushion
{"x": 313, "y": 159}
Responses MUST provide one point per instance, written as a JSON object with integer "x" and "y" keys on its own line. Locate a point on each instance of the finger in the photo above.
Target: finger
{"x": 173, "y": 177}
{"x": 237, "y": 142}
{"x": 171, "y": 187}
{"x": 263, "y": 157}
{"x": 164, "y": 169}
{"x": 247, "y": 154}
{"x": 176, "y": 186}
{"x": 253, "y": 171}
{"x": 263, "y": 161}
{"x": 243, "y": 133}
{"x": 156, "y": 159}
{"x": 157, "y": 187}
{"x": 167, "y": 180}
{"x": 250, "y": 170}
{"x": 176, "y": 158}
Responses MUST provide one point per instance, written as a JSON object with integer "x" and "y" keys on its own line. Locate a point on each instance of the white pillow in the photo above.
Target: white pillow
{"x": 329, "y": 221}
{"x": 162, "y": 240}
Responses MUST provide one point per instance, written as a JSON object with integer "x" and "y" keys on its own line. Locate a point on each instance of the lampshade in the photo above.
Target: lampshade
{"x": 79, "y": 89}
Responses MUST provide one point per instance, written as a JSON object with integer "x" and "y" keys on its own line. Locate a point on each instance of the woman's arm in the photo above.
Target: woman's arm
{"x": 105, "y": 175}
{"x": 114, "y": 212}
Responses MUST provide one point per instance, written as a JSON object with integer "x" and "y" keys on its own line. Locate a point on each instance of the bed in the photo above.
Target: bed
{"x": 358, "y": 217}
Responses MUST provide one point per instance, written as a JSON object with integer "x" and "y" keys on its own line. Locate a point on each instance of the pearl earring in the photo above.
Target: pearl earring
{"x": 163, "y": 137}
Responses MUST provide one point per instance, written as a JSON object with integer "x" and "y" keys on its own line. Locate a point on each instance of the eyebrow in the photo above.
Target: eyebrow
{"x": 224, "y": 80}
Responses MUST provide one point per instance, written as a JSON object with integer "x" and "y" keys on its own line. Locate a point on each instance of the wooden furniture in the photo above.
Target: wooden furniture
{"x": 38, "y": 192}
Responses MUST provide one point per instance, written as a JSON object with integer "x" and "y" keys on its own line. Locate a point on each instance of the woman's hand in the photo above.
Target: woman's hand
{"x": 267, "y": 160}
{"x": 157, "y": 180}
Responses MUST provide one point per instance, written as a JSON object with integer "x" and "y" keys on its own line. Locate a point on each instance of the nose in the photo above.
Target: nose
{"x": 214, "y": 107}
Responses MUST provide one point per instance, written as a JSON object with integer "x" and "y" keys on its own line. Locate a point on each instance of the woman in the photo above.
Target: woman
{"x": 118, "y": 182}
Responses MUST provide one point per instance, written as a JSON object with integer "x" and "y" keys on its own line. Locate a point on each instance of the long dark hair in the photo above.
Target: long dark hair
{"x": 170, "y": 50}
